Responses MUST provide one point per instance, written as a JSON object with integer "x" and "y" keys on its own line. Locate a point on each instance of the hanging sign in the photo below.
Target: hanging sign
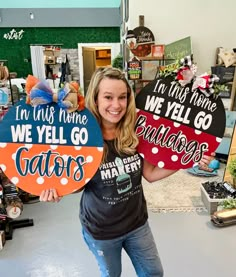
{"x": 140, "y": 41}
{"x": 46, "y": 147}
{"x": 134, "y": 69}
{"x": 13, "y": 34}
{"x": 177, "y": 125}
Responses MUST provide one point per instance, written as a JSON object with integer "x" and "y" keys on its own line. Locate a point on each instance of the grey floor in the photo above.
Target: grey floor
{"x": 188, "y": 244}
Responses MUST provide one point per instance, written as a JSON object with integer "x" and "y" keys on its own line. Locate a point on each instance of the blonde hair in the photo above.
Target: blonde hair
{"x": 126, "y": 140}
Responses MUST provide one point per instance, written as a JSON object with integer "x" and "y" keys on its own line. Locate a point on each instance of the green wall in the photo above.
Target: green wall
{"x": 16, "y": 51}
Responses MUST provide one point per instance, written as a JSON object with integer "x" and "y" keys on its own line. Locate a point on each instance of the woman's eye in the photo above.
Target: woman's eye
{"x": 108, "y": 97}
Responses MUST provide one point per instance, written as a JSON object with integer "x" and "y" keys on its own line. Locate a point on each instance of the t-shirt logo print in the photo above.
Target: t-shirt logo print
{"x": 123, "y": 180}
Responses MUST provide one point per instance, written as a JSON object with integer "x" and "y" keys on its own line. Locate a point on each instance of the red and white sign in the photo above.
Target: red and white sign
{"x": 177, "y": 125}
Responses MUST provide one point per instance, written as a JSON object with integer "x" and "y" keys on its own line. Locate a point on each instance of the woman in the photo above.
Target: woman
{"x": 113, "y": 210}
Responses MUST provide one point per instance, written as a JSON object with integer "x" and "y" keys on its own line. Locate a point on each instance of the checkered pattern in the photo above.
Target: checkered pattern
{"x": 186, "y": 61}
{"x": 211, "y": 82}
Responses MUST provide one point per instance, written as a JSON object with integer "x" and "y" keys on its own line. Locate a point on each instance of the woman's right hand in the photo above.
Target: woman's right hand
{"x": 49, "y": 195}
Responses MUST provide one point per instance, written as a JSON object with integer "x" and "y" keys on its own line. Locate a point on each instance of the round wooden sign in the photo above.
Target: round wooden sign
{"x": 47, "y": 147}
{"x": 144, "y": 41}
{"x": 177, "y": 125}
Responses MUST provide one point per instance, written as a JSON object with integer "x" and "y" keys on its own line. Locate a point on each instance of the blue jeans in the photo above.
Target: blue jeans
{"x": 138, "y": 244}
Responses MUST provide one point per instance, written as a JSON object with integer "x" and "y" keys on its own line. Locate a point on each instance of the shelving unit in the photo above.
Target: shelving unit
{"x": 103, "y": 57}
{"x": 233, "y": 92}
{"x": 150, "y": 70}
{"x": 51, "y": 54}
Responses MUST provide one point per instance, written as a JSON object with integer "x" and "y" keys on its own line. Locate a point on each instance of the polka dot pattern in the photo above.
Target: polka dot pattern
{"x": 161, "y": 164}
{"x": 3, "y": 167}
{"x": 158, "y": 154}
{"x": 89, "y": 159}
{"x": 40, "y": 180}
{"x": 177, "y": 125}
{"x": 53, "y": 147}
{"x": 154, "y": 150}
{"x": 198, "y": 132}
{"x": 28, "y": 146}
{"x": 64, "y": 181}
{"x": 14, "y": 180}
{"x": 156, "y": 117}
{"x": 174, "y": 158}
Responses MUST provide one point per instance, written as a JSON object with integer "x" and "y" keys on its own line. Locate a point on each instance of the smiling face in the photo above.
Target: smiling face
{"x": 112, "y": 101}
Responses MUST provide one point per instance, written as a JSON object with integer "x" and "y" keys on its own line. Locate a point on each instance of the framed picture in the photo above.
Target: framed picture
{"x": 226, "y": 91}
{"x": 149, "y": 69}
{"x": 134, "y": 69}
{"x": 158, "y": 50}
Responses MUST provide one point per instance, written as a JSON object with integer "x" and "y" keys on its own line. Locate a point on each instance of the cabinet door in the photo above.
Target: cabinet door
{"x": 89, "y": 64}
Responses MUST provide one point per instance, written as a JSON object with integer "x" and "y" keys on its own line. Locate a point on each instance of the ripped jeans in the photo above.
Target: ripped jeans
{"x": 138, "y": 244}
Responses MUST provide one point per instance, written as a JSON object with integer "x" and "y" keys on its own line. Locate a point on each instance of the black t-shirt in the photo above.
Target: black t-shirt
{"x": 113, "y": 202}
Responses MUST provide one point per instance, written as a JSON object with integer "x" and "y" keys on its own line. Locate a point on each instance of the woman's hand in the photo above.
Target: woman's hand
{"x": 205, "y": 160}
{"x": 49, "y": 195}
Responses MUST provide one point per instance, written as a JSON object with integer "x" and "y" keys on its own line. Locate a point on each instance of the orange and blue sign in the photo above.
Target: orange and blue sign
{"x": 46, "y": 147}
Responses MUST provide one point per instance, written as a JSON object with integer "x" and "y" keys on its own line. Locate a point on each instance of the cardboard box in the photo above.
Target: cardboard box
{"x": 2, "y": 239}
{"x": 50, "y": 60}
{"x": 48, "y": 53}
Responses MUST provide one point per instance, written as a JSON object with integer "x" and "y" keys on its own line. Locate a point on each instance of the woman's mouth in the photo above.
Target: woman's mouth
{"x": 114, "y": 113}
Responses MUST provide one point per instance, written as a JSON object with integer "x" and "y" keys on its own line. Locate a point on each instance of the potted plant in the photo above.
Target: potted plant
{"x": 226, "y": 213}
{"x": 232, "y": 170}
{"x": 227, "y": 204}
{"x": 118, "y": 62}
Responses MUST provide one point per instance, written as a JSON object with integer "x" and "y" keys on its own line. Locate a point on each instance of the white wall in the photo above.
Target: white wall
{"x": 210, "y": 23}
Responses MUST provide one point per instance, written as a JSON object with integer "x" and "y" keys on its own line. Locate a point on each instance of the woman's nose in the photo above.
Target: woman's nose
{"x": 116, "y": 103}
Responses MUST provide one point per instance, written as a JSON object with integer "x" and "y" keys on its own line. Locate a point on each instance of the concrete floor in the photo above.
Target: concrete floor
{"x": 189, "y": 245}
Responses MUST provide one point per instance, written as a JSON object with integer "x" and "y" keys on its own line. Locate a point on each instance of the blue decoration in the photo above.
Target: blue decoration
{"x": 3, "y": 97}
{"x": 214, "y": 164}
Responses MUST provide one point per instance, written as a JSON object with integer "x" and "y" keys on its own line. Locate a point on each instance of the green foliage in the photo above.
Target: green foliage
{"x": 232, "y": 167}
{"x": 118, "y": 62}
{"x": 219, "y": 88}
{"x": 169, "y": 70}
{"x": 229, "y": 203}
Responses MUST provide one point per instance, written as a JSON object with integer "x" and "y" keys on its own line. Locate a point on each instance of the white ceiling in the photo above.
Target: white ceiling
{"x": 60, "y": 4}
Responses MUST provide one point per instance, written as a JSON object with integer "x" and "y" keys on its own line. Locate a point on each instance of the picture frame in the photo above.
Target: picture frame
{"x": 149, "y": 69}
{"x": 226, "y": 93}
{"x": 158, "y": 51}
